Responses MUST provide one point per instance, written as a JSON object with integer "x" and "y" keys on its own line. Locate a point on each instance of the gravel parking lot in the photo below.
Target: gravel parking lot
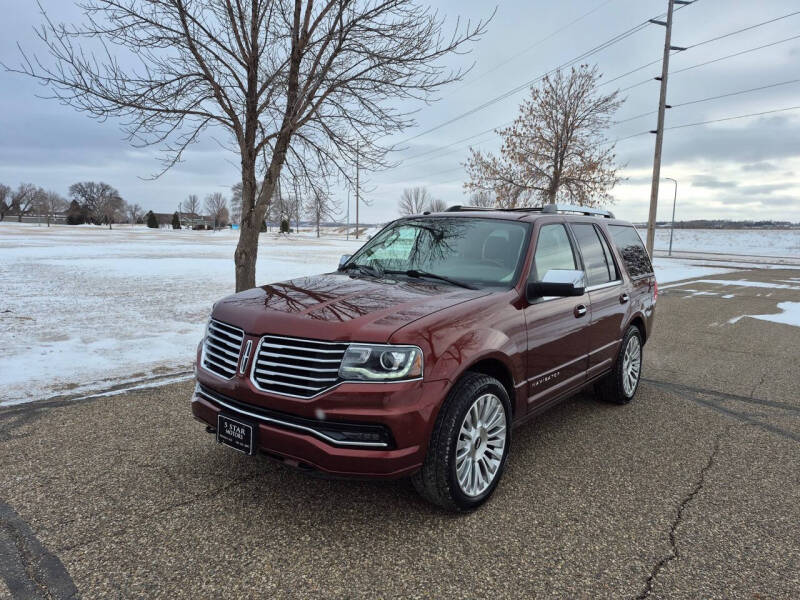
{"x": 693, "y": 490}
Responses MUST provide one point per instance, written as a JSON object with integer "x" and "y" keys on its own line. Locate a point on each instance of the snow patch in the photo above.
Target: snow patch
{"x": 789, "y": 315}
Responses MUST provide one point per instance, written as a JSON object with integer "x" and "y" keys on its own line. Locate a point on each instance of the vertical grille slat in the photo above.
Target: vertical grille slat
{"x": 221, "y": 348}
{"x": 306, "y": 367}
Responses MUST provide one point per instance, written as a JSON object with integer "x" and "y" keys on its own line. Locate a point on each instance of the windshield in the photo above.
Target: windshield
{"x": 477, "y": 252}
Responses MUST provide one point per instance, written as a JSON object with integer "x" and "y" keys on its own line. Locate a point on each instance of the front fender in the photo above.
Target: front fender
{"x": 472, "y": 347}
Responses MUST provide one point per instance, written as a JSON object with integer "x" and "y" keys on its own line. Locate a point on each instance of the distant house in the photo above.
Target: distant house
{"x": 191, "y": 220}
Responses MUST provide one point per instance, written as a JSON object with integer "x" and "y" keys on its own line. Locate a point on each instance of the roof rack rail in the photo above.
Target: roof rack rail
{"x": 459, "y": 207}
{"x": 546, "y": 209}
{"x": 583, "y": 210}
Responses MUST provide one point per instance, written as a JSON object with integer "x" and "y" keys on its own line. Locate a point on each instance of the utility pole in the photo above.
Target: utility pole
{"x": 659, "y": 131}
{"x": 357, "y": 195}
{"x": 347, "y": 229}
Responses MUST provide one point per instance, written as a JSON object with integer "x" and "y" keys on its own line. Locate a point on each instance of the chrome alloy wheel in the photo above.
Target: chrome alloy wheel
{"x": 631, "y": 365}
{"x": 480, "y": 446}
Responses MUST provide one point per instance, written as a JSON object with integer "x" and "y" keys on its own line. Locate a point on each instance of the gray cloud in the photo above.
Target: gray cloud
{"x": 711, "y": 181}
{"x": 760, "y": 167}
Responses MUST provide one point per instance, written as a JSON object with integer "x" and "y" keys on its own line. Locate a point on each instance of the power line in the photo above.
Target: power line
{"x": 708, "y": 62}
{"x": 642, "y": 133}
{"x": 433, "y": 150}
{"x": 531, "y": 47}
{"x": 600, "y": 47}
{"x": 748, "y": 28}
{"x": 709, "y": 98}
{"x": 757, "y": 114}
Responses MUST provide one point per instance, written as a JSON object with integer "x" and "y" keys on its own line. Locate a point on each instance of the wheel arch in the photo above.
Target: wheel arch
{"x": 495, "y": 367}
{"x": 639, "y": 322}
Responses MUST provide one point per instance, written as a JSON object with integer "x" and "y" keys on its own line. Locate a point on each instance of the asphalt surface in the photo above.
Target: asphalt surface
{"x": 692, "y": 490}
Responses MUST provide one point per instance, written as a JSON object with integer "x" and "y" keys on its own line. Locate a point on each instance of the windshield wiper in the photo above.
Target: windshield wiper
{"x": 418, "y": 273}
{"x": 366, "y": 269}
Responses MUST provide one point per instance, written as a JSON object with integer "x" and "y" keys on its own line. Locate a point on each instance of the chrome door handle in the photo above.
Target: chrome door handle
{"x": 624, "y": 298}
{"x": 580, "y": 310}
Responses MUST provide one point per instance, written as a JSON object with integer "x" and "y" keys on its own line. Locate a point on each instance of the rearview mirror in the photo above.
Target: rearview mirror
{"x": 344, "y": 259}
{"x": 558, "y": 282}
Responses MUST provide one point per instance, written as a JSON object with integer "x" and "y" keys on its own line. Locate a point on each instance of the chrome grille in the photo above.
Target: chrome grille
{"x": 221, "y": 348}
{"x": 296, "y": 366}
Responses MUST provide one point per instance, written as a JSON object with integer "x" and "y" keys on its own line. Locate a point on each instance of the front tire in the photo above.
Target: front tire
{"x": 620, "y": 385}
{"x": 469, "y": 445}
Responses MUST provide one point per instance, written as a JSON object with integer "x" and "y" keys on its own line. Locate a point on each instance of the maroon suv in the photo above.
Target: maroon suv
{"x": 422, "y": 350}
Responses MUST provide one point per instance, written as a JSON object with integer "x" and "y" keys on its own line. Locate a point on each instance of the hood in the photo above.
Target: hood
{"x": 337, "y": 306}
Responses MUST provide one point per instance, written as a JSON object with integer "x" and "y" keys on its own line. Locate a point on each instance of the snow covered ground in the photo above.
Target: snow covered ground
{"x": 752, "y": 242}
{"x": 85, "y": 308}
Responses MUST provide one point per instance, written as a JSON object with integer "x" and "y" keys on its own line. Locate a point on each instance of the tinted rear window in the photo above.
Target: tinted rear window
{"x": 597, "y": 261}
{"x": 631, "y": 249}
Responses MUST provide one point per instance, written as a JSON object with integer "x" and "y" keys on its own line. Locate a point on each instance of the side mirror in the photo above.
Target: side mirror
{"x": 558, "y": 282}
{"x": 344, "y": 258}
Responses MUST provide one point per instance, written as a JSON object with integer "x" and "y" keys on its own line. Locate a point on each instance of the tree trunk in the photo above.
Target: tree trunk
{"x": 246, "y": 253}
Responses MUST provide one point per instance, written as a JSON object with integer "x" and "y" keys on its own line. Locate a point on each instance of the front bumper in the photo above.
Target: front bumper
{"x": 374, "y": 431}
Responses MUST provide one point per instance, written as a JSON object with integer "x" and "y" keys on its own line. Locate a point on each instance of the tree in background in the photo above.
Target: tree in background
{"x": 53, "y": 204}
{"x": 296, "y": 83}
{"x": 320, "y": 206}
{"x": 102, "y": 202}
{"x": 111, "y": 209}
{"x": 437, "y": 205}
{"x": 217, "y": 208}
{"x": 191, "y": 205}
{"x": 482, "y": 199}
{"x": 556, "y": 149}
{"x": 24, "y": 199}
{"x": 176, "y": 220}
{"x": 151, "y": 220}
{"x": 135, "y": 213}
{"x": 414, "y": 200}
{"x": 76, "y": 215}
{"x": 5, "y": 200}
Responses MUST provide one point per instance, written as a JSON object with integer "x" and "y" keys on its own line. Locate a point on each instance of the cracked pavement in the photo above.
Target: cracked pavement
{"x": 690, "y": 491}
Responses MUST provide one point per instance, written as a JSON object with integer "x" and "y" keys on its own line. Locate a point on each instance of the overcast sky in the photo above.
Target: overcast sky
{"x": 739, "y": 169}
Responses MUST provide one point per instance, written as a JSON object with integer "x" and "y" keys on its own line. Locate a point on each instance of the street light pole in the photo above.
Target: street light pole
{"x": 674, "y": 200}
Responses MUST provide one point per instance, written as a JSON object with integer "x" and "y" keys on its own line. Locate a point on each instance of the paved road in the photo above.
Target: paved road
{"x": 691, "y": 491}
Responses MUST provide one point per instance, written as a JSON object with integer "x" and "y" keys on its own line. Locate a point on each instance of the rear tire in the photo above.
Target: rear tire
{"x": 620, "y": 385}
{"x": 469, "y": 445}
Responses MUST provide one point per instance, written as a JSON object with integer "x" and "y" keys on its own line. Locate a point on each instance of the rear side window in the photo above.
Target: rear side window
{"x": 596, "y": 254}
{"x": 553, "y": 251}
{"x": 631, "y": 249}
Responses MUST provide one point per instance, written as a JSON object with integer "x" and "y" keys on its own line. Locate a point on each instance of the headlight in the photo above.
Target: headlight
{"x": 364, "y": 362}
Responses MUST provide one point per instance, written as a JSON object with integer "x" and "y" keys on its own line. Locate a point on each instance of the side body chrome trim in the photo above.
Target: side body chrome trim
{"x": 601, "y": 286}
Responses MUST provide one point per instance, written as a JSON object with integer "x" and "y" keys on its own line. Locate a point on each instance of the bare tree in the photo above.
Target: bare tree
{"x": 217, "y": 208}
{"x": 556, "y": 148}
{"x": 437, "y": 205}
{"x": 414, "y": 200}
{"x": 5, "y": 200}
{"x": 52, "y": 203}
{"x": 102, "y": 202}
{"x": 295, "y": 83}
{"x": 135, "y": 212}
{"x": 191, "y": 205}
{"x": 320, "y": 206}
{"x": 24, "y": 199}
{"x": 482, "y": 199}
{"x": 111, "y": 209}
